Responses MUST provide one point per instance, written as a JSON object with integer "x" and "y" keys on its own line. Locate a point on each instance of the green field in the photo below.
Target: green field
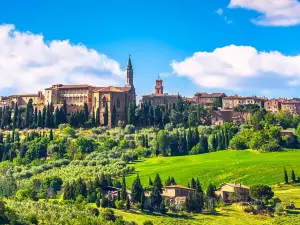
{"x": 227, "y": 215}
{"x": 247, "y": 167}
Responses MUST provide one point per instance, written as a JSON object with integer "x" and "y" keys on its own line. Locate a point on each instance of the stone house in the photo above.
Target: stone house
{"x": 224, "y": 115}
{"x": 23, "y": 99}
{"x": 273, "y": 105}
{"x": 176, "y": 194}
{"x": 229, "y": 192}
{"x": 207, "y": 99}
{"x": 292, "y": 106}
{"x": 231, "y": 102}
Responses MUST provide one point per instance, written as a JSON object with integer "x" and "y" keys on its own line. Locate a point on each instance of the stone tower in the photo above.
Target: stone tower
{"x": 159, "y": 89}
{"x": 129, "y": 74}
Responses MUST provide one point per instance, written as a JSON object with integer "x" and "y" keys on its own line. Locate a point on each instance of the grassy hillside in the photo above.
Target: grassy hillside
{"x": 227, "y": 215}
{"x": 248, "y": 167}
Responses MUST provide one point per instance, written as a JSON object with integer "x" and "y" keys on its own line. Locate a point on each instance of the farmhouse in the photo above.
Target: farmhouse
{"x": 176, "y": 194}
{"x": 232, "y": 192}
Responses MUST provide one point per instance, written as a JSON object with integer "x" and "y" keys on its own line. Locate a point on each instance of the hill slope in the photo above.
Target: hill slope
{"x": 247, "y": 167}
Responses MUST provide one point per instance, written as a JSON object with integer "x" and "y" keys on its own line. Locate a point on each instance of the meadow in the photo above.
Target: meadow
{"x": 232, "y": 215}
{"x": 247, "y": 167}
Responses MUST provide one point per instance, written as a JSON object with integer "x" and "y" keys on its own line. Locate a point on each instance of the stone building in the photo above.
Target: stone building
{"x": 176, "y": 194}
{"x": 159, "y": 97}
{"x": 22, "y": 100}
{"x": 274, "y": 105}
{"x": 219, "y": 117}
{"x": 232, "y": 101}
{"x": 229, "y": 192}
{"x": 75, "y": 95}
{"x": 115, "y": 96}
{"x": 292, "y": 106}
{"x": 206, "y": 99}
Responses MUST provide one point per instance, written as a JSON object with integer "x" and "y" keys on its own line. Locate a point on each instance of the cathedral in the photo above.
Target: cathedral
{"x": 118, "y": 97}
{"x": 96, "y": 97}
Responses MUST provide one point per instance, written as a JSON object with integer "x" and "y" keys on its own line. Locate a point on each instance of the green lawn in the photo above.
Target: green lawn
{"x": 247, "y": 167}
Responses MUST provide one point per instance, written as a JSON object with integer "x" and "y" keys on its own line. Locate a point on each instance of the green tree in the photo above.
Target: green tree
{"x": 105, "y": 115}
{"x": 136, "y": 190}
{"x": 29, "y": 114}
{"x": 51, "y": 135}
{"x": 114, "y": 116}
{"x": 261, "y": 192}
{"x": 123, "y": 193}
{"x": 86, "y": 112}
{"x": 210, "y": 191}
{"x": 286, "y": 178}
{"x": 293, "y": 176}
{"x": 127, "y": 203}
{"x": 97, "y": 117}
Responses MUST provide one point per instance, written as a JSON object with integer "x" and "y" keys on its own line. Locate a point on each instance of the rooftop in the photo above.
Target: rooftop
{"x": 178, "y": 186}
{"x": 207, "y": 95}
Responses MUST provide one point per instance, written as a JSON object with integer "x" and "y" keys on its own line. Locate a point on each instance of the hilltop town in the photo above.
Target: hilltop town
{"x": 223, "y": 108}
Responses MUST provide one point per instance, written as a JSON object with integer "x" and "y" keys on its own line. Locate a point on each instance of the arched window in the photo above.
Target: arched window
{"x": 118, "y": 103}
{"x": 103, "y": 101}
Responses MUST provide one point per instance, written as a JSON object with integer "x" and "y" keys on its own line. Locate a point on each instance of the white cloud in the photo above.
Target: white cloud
{"x": 235, "y": 67}
{"x": 272, "y": 12}
{"x": 28, "y": 63}
{"x": 220, "y": 12}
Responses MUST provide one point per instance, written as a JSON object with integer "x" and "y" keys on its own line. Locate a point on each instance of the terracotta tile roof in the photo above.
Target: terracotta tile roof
{"x": 244, "y": 98}
{"x": 207, "y": 95}
{"x": 160, "y": 95}
{"x": 112, "y": 89}
{"x": 24, "y": 95}
{"x": 178, "y": 186}
{"x": 293, "y": 101}
{"x": 234, "y": 185}
{"x": 69, "y": 86}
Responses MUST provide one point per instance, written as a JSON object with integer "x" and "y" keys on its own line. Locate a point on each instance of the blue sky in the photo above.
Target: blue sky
{"x": 157, "y": 33}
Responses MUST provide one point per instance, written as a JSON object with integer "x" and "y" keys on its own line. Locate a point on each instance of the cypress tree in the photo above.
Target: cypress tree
{"x": 65, "y": 112}
{"x": 16, "y": 114}
{"x": 123, "y": 193}
{"x": 86, "y": 112}
{"x": 286, "y": 178}
{"x": 127, "y": 203}
{"x": 105, "y": 115}
{"x": 51, "y": 135}
{"x": 150, "y": 182}
{"x": 114, "y": 116}
{"x": 198, "y": 186}
{"x": 57, "y": 117}
{"x": 293, "y": 176}
{"x": 189, "y": 140}
{"x": 29, "y": 114}
{"x": 193, "y": 183}
{"x": 97, "y": 117}
{"x": 210, "y": 191}
{"x": 35, "y": 120}
{"x": 44, "y": 112}
{"x": 136, "y": 190}
{"x": 93, "y": 118}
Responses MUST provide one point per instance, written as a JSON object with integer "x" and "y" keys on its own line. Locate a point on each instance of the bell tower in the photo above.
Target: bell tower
{"x": 129, "y": 73}
{"x": 159, "y": 89}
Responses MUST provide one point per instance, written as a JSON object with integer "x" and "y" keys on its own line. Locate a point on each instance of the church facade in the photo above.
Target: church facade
{"x": 96, "y": 97}
{"x": 115, "y": 97}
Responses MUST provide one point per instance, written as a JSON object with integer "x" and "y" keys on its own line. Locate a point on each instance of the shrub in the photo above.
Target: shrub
{"x": 108, "y": 215}
{"x": 148, "y": 222}
{"x": 129, "y": 129}
{"x": 237, "y": 143}
{"x": 120, "y": 204}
